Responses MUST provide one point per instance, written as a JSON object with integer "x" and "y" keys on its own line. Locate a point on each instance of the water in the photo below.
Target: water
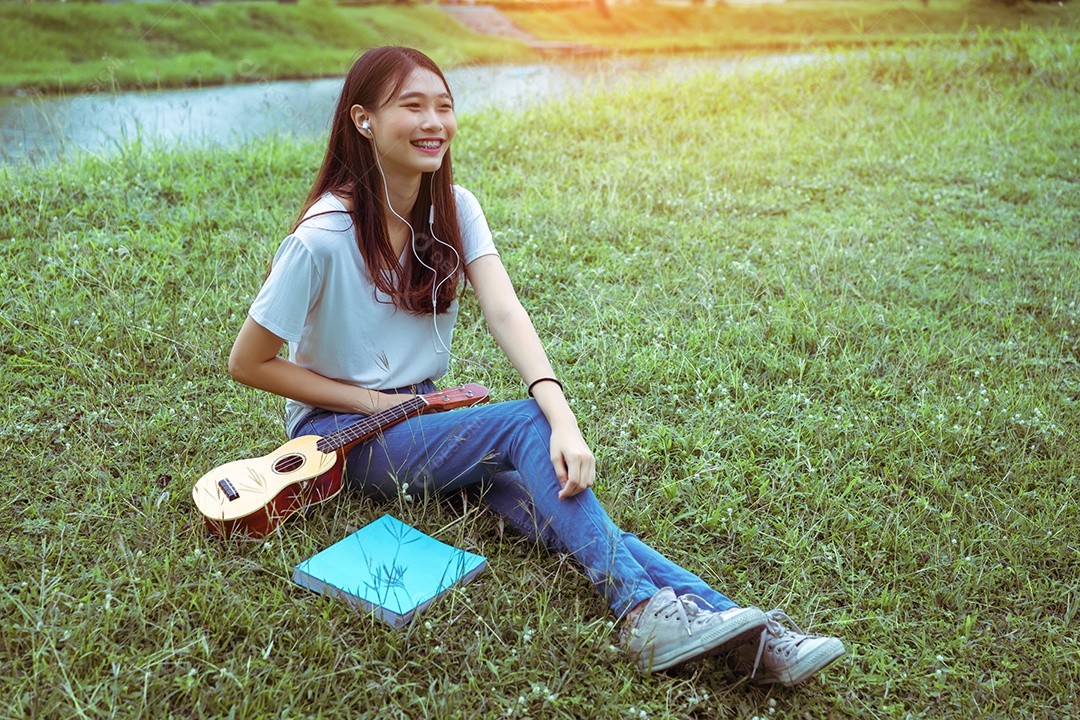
{"x": 42, "y": 129}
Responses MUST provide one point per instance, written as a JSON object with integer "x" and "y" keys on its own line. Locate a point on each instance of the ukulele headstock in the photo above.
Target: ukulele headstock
{"x": 457, "y": 397}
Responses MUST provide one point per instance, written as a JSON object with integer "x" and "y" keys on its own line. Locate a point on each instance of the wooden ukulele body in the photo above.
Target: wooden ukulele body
{"x": 255, "y": 496}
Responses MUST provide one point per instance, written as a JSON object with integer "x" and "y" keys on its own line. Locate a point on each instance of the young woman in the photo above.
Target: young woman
{"x": 365, "y": 292}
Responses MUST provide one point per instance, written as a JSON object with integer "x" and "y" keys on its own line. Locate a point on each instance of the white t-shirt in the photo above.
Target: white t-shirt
{"x": 320, "y": 299}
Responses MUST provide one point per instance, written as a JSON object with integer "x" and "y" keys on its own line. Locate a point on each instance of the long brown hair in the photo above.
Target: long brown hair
{"x": 349, "y": 168}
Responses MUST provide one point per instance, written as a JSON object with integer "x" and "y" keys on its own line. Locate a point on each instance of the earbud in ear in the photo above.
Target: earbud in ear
{"x": 365, "y": 127}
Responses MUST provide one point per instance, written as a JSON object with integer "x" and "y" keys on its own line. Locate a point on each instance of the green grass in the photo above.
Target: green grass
{"x": 77, "y": 48}
{"x": 648, "y": 27}
{"x": 820, "y": 326}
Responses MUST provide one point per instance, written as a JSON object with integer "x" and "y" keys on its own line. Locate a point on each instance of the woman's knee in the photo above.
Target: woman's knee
{"x": 523, "y": 415}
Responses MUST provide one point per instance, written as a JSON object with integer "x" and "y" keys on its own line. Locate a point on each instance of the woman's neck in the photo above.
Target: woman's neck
{"x": 402, "y": 194}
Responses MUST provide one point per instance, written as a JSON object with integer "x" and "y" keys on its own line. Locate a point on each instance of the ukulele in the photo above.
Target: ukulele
{"x": 254, "y": 497}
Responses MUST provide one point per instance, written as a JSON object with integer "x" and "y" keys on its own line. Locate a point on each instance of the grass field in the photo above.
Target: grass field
{"x": 820, "y": 327}
{"x": 642, "y": 27}
{"x": 78, "y": 48}
{"x": 74, "y": 48}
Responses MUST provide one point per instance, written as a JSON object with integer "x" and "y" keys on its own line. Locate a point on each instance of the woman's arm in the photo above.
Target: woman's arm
{"x": 514, "y": 332}
{"x": 254, "y": 361}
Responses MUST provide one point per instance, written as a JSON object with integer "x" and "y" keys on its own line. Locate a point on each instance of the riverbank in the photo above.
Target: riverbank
{"x": 80, "y": 48}
{"x": 824, "y": 343}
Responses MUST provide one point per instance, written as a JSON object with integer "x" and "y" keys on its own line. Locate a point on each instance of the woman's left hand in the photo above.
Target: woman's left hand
{"x": 574, "y": 463}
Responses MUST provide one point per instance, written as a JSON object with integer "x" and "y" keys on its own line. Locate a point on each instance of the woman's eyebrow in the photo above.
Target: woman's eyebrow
{"x": 419, "y": 94}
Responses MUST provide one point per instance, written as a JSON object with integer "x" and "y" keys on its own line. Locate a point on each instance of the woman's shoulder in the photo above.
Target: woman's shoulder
{"x": 325, "y": 232}
{"x": 475, "y": 234}
{"x": 327, "y": 213}
{"x": 469, "y": 211}
{"x": 464, "y": 198}
{"x": 324, "y": 221}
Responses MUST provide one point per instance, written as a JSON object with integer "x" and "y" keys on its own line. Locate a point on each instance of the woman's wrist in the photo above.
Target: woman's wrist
{"x": 545, "y": 379}
{"x": 370, "y": 402}
{"x": 554, "y": 405}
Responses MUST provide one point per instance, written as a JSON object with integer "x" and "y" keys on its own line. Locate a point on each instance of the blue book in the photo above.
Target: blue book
{"x": 388, "y": 568}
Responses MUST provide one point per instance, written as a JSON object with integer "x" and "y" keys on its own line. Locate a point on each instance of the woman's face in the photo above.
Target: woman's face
{"x": 413, "y": 129}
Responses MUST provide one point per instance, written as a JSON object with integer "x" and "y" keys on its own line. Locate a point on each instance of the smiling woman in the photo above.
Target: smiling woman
{"x": 365, "y": 292}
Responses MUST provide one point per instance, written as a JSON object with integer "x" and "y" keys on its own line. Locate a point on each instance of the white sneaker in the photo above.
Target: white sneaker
{"x": 784, "y": 656}
{"x": 672, "y": 630}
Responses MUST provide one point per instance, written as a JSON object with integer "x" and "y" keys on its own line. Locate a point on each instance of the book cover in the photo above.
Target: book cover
{"x": 389, "y": 568}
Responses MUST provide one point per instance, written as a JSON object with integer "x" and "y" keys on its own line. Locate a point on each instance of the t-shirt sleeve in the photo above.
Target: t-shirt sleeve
{"x": 283, "y": 302}
{"x": 475, "y": 234}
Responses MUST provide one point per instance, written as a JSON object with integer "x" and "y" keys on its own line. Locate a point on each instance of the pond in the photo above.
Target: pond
{"x": 44, "y": 128}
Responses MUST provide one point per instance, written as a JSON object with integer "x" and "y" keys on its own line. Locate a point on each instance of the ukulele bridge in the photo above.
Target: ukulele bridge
{"x": 227, "y": 487}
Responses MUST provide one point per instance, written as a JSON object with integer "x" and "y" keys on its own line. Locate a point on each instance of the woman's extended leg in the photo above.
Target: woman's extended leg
{"x": 505, "y": 495}
{"x": 446, "y": 451}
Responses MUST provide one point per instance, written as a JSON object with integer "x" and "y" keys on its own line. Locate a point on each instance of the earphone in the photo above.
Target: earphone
{"x": 365, "y": 127}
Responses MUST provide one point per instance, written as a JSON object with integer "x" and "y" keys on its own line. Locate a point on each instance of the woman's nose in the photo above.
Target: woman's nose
{"x": 431, "y": 120}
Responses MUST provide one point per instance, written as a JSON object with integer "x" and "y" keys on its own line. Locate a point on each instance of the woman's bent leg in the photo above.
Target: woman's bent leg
{"x": 442, "y": 452}
{"x": 505, "y": 446}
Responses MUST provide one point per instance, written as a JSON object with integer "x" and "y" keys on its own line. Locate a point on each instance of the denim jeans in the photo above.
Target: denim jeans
{"x": 501, "y": 452}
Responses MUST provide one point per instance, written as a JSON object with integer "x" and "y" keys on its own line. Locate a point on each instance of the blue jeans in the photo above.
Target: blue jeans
{"x": 502, "y": 452}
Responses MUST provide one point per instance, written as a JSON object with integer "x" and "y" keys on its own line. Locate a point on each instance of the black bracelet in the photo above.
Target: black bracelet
{"x": 534, "y": 383}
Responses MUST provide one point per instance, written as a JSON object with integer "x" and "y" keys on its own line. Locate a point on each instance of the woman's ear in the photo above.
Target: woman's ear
{"x": 360, "y": 119}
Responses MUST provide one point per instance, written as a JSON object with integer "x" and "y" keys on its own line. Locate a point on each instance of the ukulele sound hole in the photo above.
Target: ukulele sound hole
{"x": 288, "y": 464}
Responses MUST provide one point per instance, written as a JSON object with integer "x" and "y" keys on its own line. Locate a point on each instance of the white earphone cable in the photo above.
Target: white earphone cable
{"x": 412, "y": 244}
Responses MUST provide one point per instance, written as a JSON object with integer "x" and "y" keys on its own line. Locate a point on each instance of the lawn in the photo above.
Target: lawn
{"x": 72, "y": 48}
{"x": 79, "y": 48}
{"x": 643, "y": 27}
{"x": 820, "y": 325}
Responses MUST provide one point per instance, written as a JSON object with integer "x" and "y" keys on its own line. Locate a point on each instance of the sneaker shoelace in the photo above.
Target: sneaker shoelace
{"x": 691, "y": 608}
{"x": 782, "y": 639}
{"x": 684, "y": 607}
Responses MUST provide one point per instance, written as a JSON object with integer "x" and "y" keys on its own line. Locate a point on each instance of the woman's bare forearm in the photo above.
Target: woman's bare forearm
{"x": 254, "y": 362}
